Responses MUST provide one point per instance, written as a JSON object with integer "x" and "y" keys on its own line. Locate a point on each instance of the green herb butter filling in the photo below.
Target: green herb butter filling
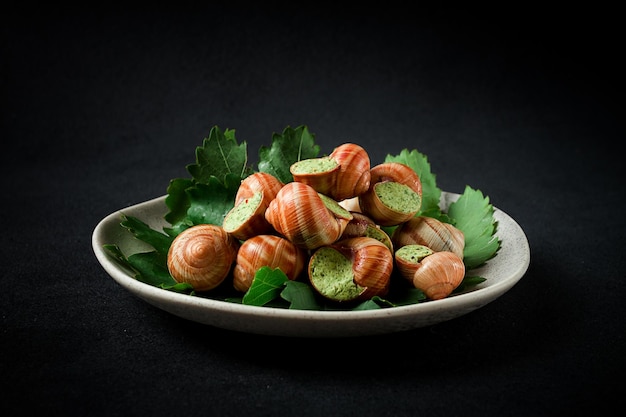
{"x": 398, "y": 197}
{"x": 413, "y": 253}
{"x": 313, "y": 166}
{"x": 335, "y": 207}
{"x": 331, "y": 274}
{"x": 379, "y": 235}
{"x": 242, "y": 212}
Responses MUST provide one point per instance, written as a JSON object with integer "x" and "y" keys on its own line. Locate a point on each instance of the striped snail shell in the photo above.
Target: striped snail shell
{"x": 299, "y": 213}
{"x": 202, "y": 256}
{"x": 351, "y": 269}
{"x": 394, "y": 195}
{"x": 258, "y": 181}
{"x": 343, "y": 174}
{"x": 428, "y": 231}
{"x": 353, "y": 178}
{"x": 266, "y": 250}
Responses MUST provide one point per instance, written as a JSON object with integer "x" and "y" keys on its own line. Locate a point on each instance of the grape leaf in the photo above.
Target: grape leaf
{"x": 473, "y": 215}
{"x": 149, "y": 268}
{"x": 177, "y": 201}
{"x": 292, "y": 146}
{"x": 266, "y": 286}
{"x": 300, "y": 295}
{"x": 159, "y": 241}
{"x": 219, "y": 155}
{"x": 209, "y": 203}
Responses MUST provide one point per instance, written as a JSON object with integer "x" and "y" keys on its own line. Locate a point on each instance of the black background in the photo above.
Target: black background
{"x": 102, "y": 107}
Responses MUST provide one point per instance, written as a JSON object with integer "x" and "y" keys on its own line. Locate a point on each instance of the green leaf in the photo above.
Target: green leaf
{"x": 408, "y": 295}
{"x": 177, "y": 201}
{"x": 152, "y": 268}
{"x": 370, "y": 304}
{"x": 300, "y": 295}
{"x": 149, "y": 268}
{"x": 219, "y": 155}
{"x": 209, "y": 203}
{"x": 116, "y": 253}
{"x": 159, "y": 241}
{"x": 291, "y": 146}
{"x": 266, "y": 286}
{"x": 473, "y": 215}
{"x": 431, "y": 194}
{"x": 468, "y": 281}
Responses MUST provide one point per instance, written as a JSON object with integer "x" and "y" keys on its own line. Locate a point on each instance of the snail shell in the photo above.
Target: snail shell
{"x": 353, "y": 178}
{"x": 394, "y": 195}
{"x": 351, "y": 269}
{"x": 372, "y": 264}
{"x": 266, "y": 250}
{"x": 343, "y": 174}
{"x": 428, "y": 231}
{"x": 319, "y": 173}
{"x": 247, "y": 219}
{"x": 437, "y": 275}
{"x": 361, "y": 225}
{"x": 202, "y": 256}
{"x": 258, "y": 181}
{"x": 408, "y": 258}
{"x": 299, "y": 214}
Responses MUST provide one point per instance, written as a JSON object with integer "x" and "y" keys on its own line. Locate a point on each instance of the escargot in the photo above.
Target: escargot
{"x": 202, "y": 256}
{"x": 266, "y": 250}
{"x": 439, "y": 274}
{"x": 305, "y": 217}
{"x": 394, "y": 194}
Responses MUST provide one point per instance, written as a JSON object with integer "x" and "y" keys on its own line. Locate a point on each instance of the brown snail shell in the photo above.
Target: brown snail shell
{"x": 373, "y": 264}
{"x": 299, "y": 214}
{"x": 428, "y": 231}
{"x": 247, "y": 219}
{"x": 408, "y": 257}
{"x": 362, "y": 225}
{"x": 353, "y": 178}
{"x": 267, "y": 250}
{"x": 358, "y": 226}
{"x": 371, "y": 203}
{"x": 202, "y": 256}
{"x": 318, "y": 173}
{"x": 351, "y": 269}
{"x": 439, "y": 274}
{"x": 343, "y": 174}
{"x": 258, "y": 181}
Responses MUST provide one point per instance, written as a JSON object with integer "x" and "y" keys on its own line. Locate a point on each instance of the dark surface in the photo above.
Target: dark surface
{"x": 101, "y": 109}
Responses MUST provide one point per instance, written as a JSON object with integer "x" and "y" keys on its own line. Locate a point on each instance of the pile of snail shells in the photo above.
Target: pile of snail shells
{"x": 328, "y": 220}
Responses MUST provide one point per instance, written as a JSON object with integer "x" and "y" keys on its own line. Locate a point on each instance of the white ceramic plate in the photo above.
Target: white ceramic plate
{"x": 501, "y": 272}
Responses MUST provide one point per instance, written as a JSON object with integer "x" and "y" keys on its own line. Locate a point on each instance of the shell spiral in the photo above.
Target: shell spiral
{"x": 202, "y": 256}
